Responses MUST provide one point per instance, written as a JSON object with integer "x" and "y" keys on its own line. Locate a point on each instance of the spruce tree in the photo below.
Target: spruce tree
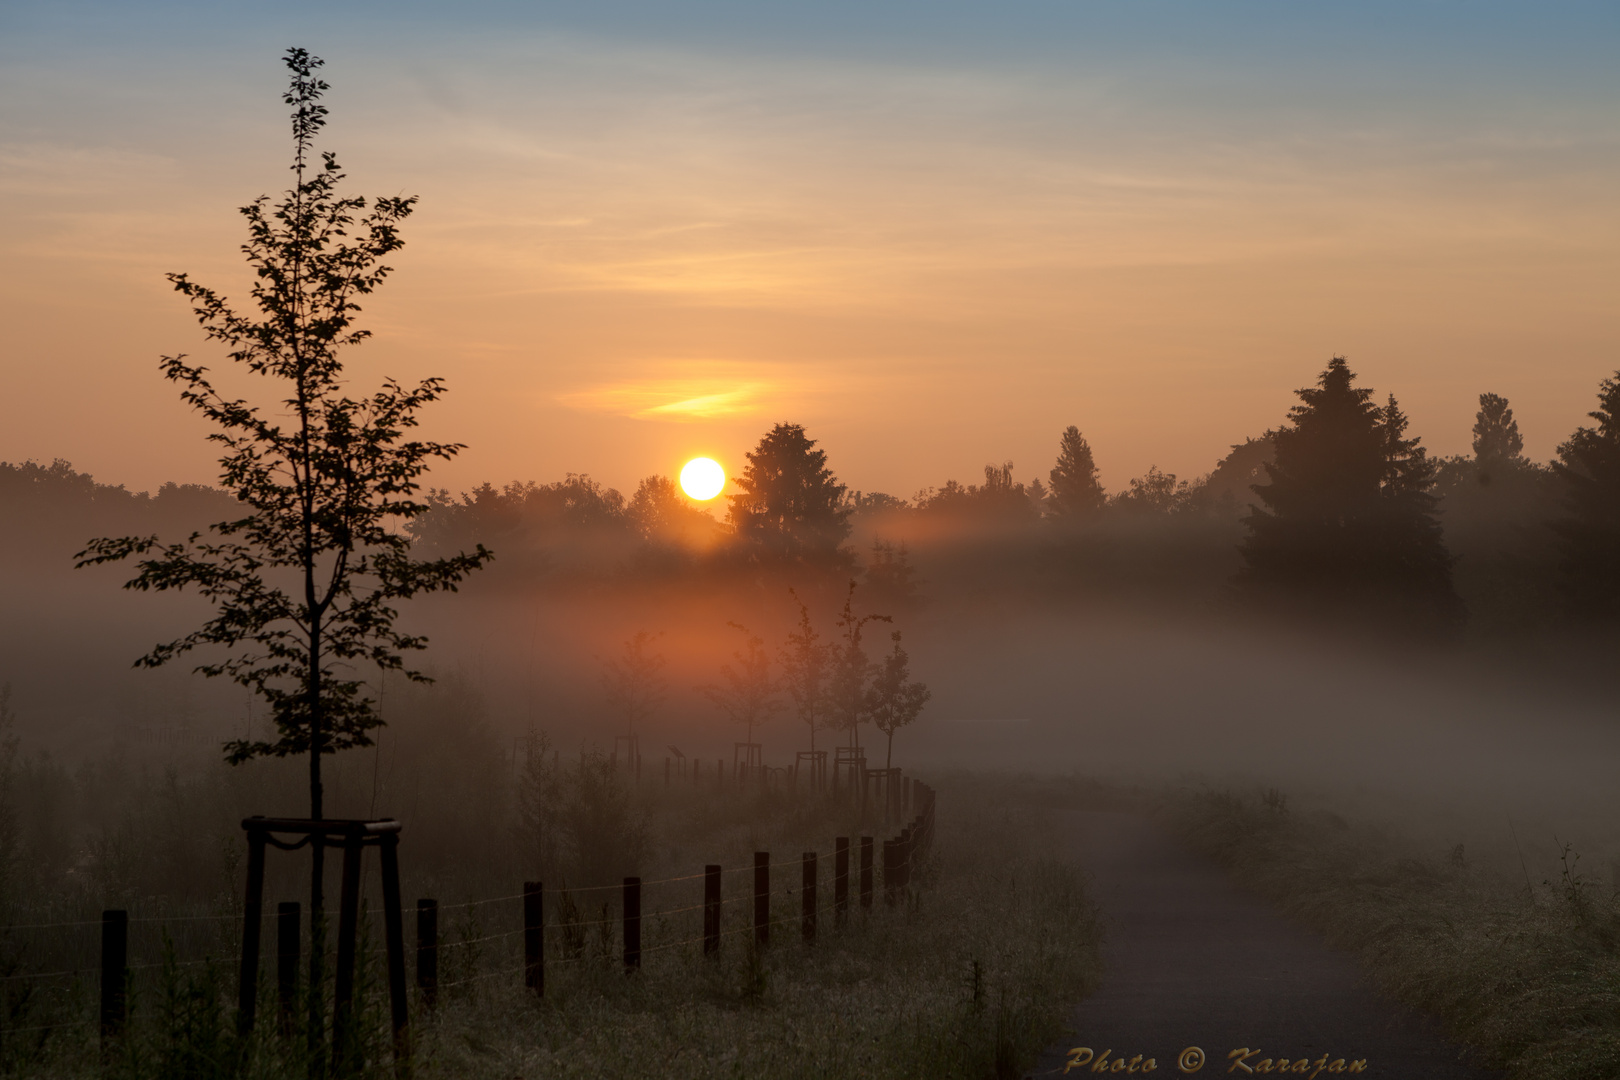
{"x": 1076, "y": 492}
{"x": 1496, "y": 434}
{"x": 788, "y": 504}
{"x": 1348, "y": 525}
{"x": 1588, "y": 466}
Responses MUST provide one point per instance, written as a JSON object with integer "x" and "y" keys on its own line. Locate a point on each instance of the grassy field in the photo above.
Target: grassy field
{"x": 968, "y": 976}
{"x": 1526, "y": 973}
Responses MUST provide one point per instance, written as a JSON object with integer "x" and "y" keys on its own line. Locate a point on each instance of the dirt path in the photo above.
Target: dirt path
{"x": 1191, "y": 960}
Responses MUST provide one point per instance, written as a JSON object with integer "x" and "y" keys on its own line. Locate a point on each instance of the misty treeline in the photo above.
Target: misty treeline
{"x": 1339, "y": 513}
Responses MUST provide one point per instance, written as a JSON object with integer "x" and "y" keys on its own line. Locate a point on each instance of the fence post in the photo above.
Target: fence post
{"x": 394, "y": 945}
{"x": 632, "y": 924}
{"x": 247, "y": 999}
{"x": 866, "y": 872}
{"x": 427, "y": 951}
{"x": 288, "y": 915}
{"x": 762, "y": 898}
{"x": 808, "y": 892}
{"x": 889, "y": 875}
{"x": 840, "y": 880}
{"x": 114, "y": 976}
{"x": 711, "y": 909}
{"x": 343, "y": 1043}
{"x": 534, "y": 953}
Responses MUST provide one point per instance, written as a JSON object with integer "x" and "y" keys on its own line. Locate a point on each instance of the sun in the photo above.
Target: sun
{"x": 702, "y": 478}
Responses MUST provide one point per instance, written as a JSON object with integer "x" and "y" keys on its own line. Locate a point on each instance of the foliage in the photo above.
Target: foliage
{"x": 634, "y": 682}
{"x": 891, "y": 579}
{"x": 805, "y": 661}
{"x": 1525, "y": 978}
{"x": 1076, "y": 491}
{"x": 1588, "y": 467}
{"x": 1154, "y": 492}
{"x": 747, "y": 694}
{"x": 893, "y": 701}
{"x": 788, "y": 504}
{"x": 321, "y": 495}
{"x": 851, "y": 669}
{"x": 1348, "y": 526}
{"x": 1496, "y": 434}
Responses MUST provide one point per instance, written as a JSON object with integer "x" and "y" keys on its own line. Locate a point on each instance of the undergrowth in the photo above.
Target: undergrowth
{"x": 1528, "y": 977}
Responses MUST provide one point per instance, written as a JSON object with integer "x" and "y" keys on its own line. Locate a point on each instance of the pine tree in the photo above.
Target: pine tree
{"x": 1496, "y": 433}
{"x": 1348, "y": 524}
{"x": 1076, "y": 492}
{"x": 788, "y": 504}
{"x": 1588, "y": 466}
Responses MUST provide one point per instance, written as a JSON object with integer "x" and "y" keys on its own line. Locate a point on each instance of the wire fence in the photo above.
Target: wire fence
{"x": 580, "y": 931}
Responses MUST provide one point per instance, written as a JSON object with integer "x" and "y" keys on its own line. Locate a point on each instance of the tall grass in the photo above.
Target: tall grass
{"x": 1527, "y": 974}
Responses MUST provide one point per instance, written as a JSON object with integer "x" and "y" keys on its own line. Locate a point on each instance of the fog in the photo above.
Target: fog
{"x": 1137, "y": 674}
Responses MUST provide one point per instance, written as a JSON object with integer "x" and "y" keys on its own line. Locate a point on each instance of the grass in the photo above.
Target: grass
{"x": 968, "y": 976}
{"x": 1527, "y": 976}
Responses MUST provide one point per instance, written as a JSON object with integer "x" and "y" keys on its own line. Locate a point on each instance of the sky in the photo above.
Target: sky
{"x": 934, "y": 234}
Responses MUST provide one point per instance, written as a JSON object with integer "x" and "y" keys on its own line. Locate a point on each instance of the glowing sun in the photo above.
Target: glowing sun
{"x": 702, "y": 478}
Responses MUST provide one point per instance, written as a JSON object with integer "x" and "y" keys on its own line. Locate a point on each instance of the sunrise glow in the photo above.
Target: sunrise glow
{"x": 702, "y": 478}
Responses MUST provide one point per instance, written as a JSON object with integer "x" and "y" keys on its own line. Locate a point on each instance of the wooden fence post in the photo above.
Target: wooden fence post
{"x": 399, "y": 1008}
{"x": 866, "y": 872}
{"x": 114, "y": 976}
{"x": 711, "y": 909}
{"x": 534, "y": 952}
{"x": 889, "y": 875}
{"x": 288, "y": 915}
{"x": 632, "y": 924}
{"x": 344, "y": 1046}
{"x": 840, "y": 880}
{"x": 427, "y": 951}
{"x": 762, "y": 898}
{"x": 807, "y": 890}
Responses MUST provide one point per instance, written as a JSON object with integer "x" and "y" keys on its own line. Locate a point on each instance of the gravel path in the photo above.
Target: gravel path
{"x": 1191, "y": 960}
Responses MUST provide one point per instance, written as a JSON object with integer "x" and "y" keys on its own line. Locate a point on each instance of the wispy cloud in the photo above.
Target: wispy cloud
{"x": 681, "y": 399}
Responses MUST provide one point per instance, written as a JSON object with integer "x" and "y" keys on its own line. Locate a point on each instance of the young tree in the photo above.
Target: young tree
{"x": 851, "y": 669}
{"x": 634, "y": 683}
{"x": 1588, "y": 466}
{"x": 805, "y": 660}
{"x": 1075, "y": 493}
{"x": 894, "y": 701}
{"x": 1348, "y": 523}
{"x": 788, "y": 503}
{"x": 748, "y": 694}
{"x": 323, "y": 480}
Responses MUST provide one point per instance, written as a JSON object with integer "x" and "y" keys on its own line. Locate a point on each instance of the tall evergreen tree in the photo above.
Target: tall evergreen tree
{"x": 1076, "y": 492}
{"x": 1348, "y": 523}
{"x": 788, "y": 502}
{"x": 1588, "y": 466}
{"x": 1496, "y": 433}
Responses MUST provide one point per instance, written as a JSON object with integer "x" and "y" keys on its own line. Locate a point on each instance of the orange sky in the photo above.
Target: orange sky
{"x": 631, "y": 251}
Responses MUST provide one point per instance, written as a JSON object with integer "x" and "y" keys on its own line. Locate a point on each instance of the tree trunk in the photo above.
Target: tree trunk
{"x": 317, "y": 847}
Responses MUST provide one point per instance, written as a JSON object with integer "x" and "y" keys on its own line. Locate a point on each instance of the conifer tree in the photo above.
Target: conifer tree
{"x": 1348, "y": 524}
{"x": 1075, "y": 492}
{"x": 1496, "y": 433}
{"x": 1588, "y": 466}
{"x": 788, "y": 503}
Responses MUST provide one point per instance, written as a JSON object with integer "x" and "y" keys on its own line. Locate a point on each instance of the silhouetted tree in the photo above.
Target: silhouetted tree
{"x": 634, "y": 682}
{"x": 894, "y": 701}
{"x": 322, "y": 477}
{"x": 1588, "y": 466}
{"x": 891, "y": 579}
{"x": 806, "y": 661}
{"x": 788, "y": 503}
{"x": 1075, "y": 489}
{"x": 747, "y": 693}
{"x": 1154, "y": 492}
{"x": 661, "y": 514}
{"x": 851, "y": 669}
{"x": 1496, "y": 433}
{"x": 1348, "y": 522}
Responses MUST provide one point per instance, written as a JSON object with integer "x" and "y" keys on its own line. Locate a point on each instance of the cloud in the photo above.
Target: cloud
{"x": 684, "y": 399}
